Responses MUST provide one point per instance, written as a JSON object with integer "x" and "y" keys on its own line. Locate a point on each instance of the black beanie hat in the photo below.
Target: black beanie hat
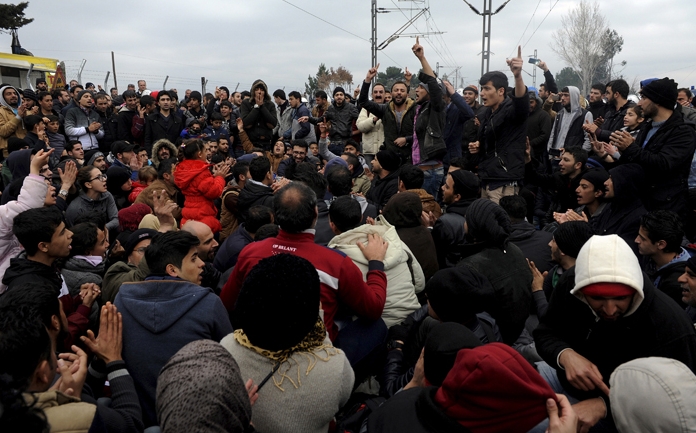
{"x": 488, "y": 222}
{"x": 662, "y": 92}
{"x": 444, "y": 341}
{"x": 136, "y": 237}
{"x": 389, "y": 160}
{"x": 456, "y": 294}
{"x": 571, "y": 236}
{"x": 597, "y": 177}
{"x": 115, "y": 178}
{"x": 195, "y": 95}
{"x": 466, "y": 183}
{"x": 278, "y": 304}
{"x": 338, "y": 89}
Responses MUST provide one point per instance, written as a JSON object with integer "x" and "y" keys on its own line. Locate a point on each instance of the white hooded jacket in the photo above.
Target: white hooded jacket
{"x": 653, "y": 395}
{"x": 404, "y": 274}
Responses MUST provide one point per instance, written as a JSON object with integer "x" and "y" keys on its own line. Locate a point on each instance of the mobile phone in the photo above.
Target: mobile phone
{"x": 534, "y": 61}
{"x": 555, "y": 152}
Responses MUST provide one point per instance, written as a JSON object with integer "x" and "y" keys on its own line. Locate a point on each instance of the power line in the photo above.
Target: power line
{"x": 525, "y": 29}
{"x": 327, "y": 22}
{"x": 542, "y": 22}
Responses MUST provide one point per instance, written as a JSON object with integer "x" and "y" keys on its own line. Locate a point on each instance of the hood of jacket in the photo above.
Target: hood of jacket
{"x": 82, "y": 265}
{"x": 159, "y": 302}
{"x": 628, "y": 180}
{"x": 250, "y": 193}
{"x": 267, "y": 96}
{"x": 459, "y": 207}
{"x": 574, "y": 99}
{"x": 403, "y": 210}
{"x": 5, "y": 103}
{"x": 521, "y": 230}
{"x": 346, "y": 242}
{"x": 21, "y": 266}
{"x": 173, "y": 151}
{"x": 608, "y": 259}
{"x": 494, "y": 379}
{"x": 668, "y": 390}
{"x": 19, "y": 163}
{"x": 187, "y": 170}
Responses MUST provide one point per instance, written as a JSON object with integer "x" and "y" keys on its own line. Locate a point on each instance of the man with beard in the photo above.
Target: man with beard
{"x": 567, "y": 131}
{"x": 461, "y": 188}
{"x": 11, "y": 115}
{"x": 299, "y": 154}
{"x": 397, "y": 115}
{"x": 162, "y": 124}
{"x": 617, "y": 104}
{"x": 341, "y": 114}
{"x": 371, "y": 126}
{"x": 41, "y": 85}
{"x": 385, "y": 184}
{"x": 664, "y": 147}
{"x": 688, "y": 286}
{"x": 206, "y": 252}
{"x": 102, "y": 105}
{"x": 597, "y": 106}
{"x": 125, "y": 116}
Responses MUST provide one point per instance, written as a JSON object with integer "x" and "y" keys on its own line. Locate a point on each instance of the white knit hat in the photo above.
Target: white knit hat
{"x": 608, "y": 259}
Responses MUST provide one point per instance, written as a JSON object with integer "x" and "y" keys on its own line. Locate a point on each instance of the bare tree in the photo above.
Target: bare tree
{"x": 579, "y": 41}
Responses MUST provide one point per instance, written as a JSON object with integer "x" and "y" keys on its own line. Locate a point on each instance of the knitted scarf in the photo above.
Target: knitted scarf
{"x": 311, "y": 347}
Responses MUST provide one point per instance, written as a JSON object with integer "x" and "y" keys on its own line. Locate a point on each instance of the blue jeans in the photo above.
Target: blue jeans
{"x": 433, "y": 180}
{"x": 551, "y": 377}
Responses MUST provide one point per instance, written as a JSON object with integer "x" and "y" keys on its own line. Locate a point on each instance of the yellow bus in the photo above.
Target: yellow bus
{"x": 14, "y": 69}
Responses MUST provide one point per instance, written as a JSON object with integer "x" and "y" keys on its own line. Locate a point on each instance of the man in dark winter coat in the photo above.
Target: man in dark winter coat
{"x": 663, "y": 258}
{"x": 562, "y": 184}
{"x": 538, "y": 127}
{"x": 403, "y": 211}
{"x": 397, "y": 115}
{"x": 164, "y": 123}
{"x": 602, "y": 315}
{"x": 259, "y": 115}
{"x": 664, "y": 147}
{"x": 597, "y": 106}
{"x": 533, "y": 243}
{"x": 461, "y": 188}
{"x": 457, "y": 113}
{"x": 503, "y": 132}
{"x": 228, "y": 253}
{"x": 385, "y": 167}
{"x": 502, "y": 262}
{"x": 257, "y": 190}
{"x": 622, "y": 214}
{"x": 616, "y": 92}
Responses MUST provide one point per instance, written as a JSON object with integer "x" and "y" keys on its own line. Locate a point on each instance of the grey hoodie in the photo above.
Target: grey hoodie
{"x": 653, "y": 395}
{"x": 558, "y": 138}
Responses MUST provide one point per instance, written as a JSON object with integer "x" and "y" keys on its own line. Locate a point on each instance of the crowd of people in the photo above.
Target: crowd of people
{"x": 500, "y": 259}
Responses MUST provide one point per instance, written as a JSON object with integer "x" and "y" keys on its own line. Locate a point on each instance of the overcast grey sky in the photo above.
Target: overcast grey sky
{"x": 238, "y": 41}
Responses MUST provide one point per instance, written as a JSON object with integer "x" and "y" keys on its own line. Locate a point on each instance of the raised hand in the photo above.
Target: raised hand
{"x": 516, "y": 63}
{"x": 67, "y": 177}
{"x": 448, "y": 87}
{"x": 408, "y": 75}
{"x": 371, "y": 73}
{"x": 418, "y": 49}
{"x": 40, "y": 159}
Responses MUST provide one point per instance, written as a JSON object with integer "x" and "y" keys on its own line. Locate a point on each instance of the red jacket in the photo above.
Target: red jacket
{"x": 200, "y": 188}
{"x": 341, "y": 281}
{"x": 135, "y": 192}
